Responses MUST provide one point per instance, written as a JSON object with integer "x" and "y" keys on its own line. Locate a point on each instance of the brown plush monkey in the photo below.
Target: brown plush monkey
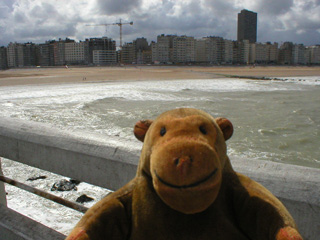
{"x": 185, "y": 188}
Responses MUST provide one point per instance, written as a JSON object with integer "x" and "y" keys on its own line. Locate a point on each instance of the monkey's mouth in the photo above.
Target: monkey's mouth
{"x": 188, "y": 185}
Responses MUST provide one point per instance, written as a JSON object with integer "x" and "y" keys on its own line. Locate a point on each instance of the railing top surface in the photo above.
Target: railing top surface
{"x": 108, "y": 162}
{"x": 81, "y": 141}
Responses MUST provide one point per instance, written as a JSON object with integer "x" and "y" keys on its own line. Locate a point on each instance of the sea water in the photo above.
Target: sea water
{"x": 273, "y": 120}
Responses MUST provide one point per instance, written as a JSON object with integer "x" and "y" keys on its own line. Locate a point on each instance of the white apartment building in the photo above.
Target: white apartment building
{"x": 207, "y": 50}
{"x": 59, "y": 53}
{"x": 183, "y": 49}
{"x": 190, "y": 49}
{"x": 300, "y": 54}
{"x": 154, "y": 52}
{"x": 211, "y": 48}
{"x": 273, "y": 52}
{"x": 241, "y": 52}
{"x": 12, "y": 55}
{"x": 245, "y": 51}
{"x": 104, "y": 57}
{"x": 314, "y": 54}
{"x": 258, "y": 53}
{"x": 77, "y": 52}
{"x": 214, "y": 50}
{"x": 295, "y": 54}
{"x": 201, "y": 56}
{"x": 263, "y": 53}
{"x": 15, "y": 55}
{"x": 162, "y": 51}
{"x": 252, "y": 53}
{"x": 228, "y": 51}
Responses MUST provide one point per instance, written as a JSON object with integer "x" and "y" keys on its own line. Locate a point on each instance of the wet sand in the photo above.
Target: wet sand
{"x": 135, "y": 73}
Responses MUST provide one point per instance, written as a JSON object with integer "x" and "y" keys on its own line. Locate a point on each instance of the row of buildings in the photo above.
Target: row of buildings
{"x": 168, "y": 49}
{"x": 216, "y": 50}
{"x": 57, "y": 53}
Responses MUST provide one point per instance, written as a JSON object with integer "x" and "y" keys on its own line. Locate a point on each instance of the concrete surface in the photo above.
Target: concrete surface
{"x": 3, "y": 199}
{"x": 14, "y": 226}
{"x": 108, "y": 163}
{"x": 112, "y": 162}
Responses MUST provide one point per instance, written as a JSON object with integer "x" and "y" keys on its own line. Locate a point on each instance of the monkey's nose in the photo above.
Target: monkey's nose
{"x": 183, "y": 164}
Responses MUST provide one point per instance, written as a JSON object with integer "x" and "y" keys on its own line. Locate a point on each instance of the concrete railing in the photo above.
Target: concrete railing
{"x": 80, "y": 155}
{"x": 112, "y": 162}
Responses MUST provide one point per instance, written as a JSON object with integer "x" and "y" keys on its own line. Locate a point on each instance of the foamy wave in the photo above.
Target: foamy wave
{"x": 148, "y": 90}
{"x": 309, "y": 80}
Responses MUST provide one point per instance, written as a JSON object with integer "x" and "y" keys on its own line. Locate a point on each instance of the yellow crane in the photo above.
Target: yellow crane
{"x": 120, "y": 23}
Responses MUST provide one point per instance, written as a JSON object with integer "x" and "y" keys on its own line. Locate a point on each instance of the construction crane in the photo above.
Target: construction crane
{"x": 120, "y": 23}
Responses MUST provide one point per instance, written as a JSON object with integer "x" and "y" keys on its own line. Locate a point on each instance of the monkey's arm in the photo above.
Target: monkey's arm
{"x": 260, "y": 214}
{"x": 110, "y": 218}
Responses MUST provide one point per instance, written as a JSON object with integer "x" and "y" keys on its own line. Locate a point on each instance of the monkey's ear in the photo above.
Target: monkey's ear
{"x": 226, "y": 127}
{"x": 141, "y": 128}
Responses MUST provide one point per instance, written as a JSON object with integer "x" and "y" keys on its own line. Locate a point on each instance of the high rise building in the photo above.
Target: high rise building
{"x": 290, "y": 53}
{"x": 141, "y": 44}
{"x": 45, "y": 54}
{"x": 162, "y": 51}
{"x": 263, "y": 53}
{"x": 143, "y": 52}
{"x": 273, "y": 52}
{"x": 183, "y": 49}
{"x": 314, "y": 54}
{"x": 104, "y": 57}
{"x": 59, "y": 51}
{"x": 208, "y": 49}
{"x": 29, "y": 54}
{"x": 104, "y": 46}
{"x": 285, "y": 53}
{"x": 20, "y": 55}
{"x": 3, "y": 58}
{"x": 241, "y": 52}
{"x": 299, "y": 54}
{"x": 228, "y": 51}
{"x": 214, "y": 50}
{"x": 77, "y": 52}
{"x": 201, "y": 53}
{"x": 128, "y": 53}
{"x": 15, "y": 55}
{"x": 247, "y": 26}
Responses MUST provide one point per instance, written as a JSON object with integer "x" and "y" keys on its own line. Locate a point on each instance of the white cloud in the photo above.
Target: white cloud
{"x": 41, "y": 20}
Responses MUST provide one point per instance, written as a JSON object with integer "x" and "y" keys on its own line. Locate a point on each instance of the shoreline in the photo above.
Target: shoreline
{"x": 76, "y": 74}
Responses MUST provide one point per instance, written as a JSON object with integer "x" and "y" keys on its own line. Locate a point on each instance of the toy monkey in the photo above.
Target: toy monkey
{"x": 185, "y": 188}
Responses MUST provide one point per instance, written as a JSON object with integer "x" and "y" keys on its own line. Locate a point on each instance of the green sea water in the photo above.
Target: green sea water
{"x": 273, "y": 120}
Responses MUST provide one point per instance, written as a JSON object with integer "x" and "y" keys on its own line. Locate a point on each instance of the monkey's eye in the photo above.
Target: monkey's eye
{"x": 203, "y": 130}
{"x": 163, "y": 131}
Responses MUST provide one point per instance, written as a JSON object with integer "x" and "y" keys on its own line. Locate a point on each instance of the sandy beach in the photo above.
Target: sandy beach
{"x": 135, "y": 73}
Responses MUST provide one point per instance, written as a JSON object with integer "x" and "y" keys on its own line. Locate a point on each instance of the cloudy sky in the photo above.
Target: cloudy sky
{"x": 40, "y": 20}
